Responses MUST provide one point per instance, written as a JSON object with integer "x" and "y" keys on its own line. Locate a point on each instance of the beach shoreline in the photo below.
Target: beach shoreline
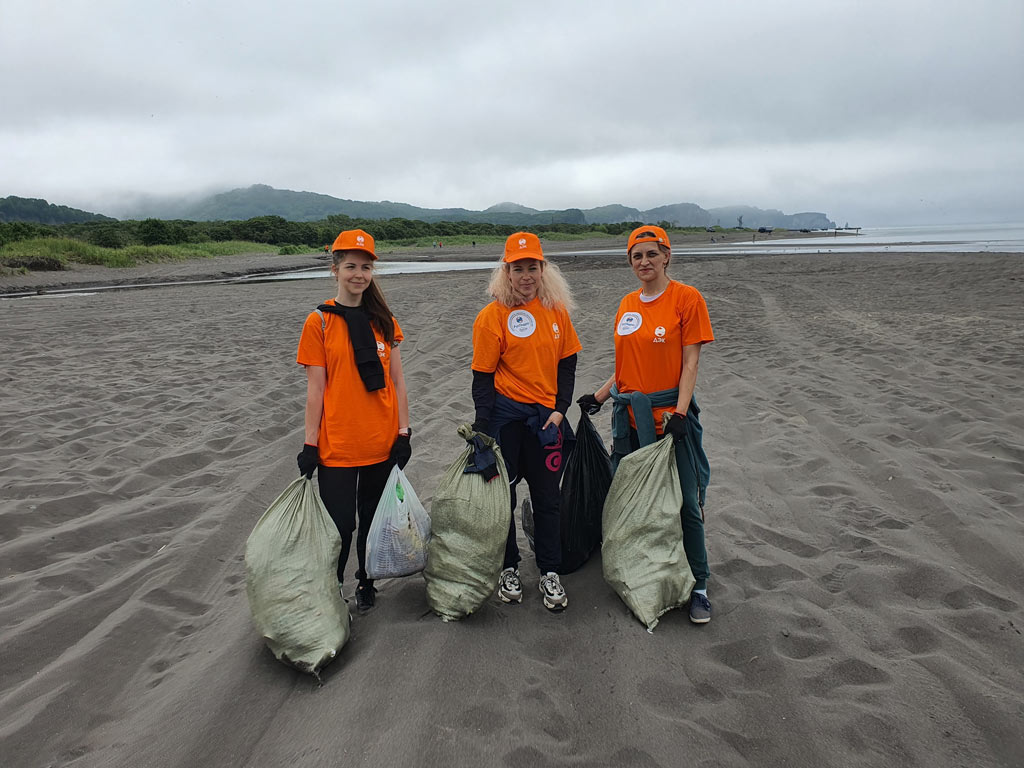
{"x": 83, "y": 276}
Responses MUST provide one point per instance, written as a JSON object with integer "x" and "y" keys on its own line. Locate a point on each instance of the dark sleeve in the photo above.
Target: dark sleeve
{"x": 566, "y": 383}
{"x": 483, "y": 395}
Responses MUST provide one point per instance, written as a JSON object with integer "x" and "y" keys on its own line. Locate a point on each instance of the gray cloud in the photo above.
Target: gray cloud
{"x": 873, "y": 112}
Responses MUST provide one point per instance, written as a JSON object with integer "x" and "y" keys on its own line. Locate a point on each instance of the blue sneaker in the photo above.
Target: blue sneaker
{"x": 700, "y": 608}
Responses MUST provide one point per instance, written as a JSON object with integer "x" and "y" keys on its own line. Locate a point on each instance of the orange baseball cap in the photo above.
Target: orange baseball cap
{"x": 523, "y": 245}
{"x": 647, "y": 234}
{"x": 354, "y": 240}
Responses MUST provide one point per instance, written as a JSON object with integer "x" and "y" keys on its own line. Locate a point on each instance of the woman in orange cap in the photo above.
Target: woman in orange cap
{"x": 659, "y": 332}
{"x": 524, "y": 370}
{"x": 357, "y": 408}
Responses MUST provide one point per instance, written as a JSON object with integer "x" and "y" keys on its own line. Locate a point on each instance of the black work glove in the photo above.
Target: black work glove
{"x": 484, "y": 426}
{"x": 676, "y": 427}
{"x": 401, "y": 451}
{"x": 589, "y": 405}
{"x": 481, "y": 460}
{"x": 308, "y": 460}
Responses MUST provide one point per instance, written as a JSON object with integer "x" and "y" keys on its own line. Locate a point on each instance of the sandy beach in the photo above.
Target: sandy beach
{"x": 864, "y": 418}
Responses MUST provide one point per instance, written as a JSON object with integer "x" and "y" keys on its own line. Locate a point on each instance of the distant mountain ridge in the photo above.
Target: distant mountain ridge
{"x": 262, "y": 200}
{"x": 37, "y": 211}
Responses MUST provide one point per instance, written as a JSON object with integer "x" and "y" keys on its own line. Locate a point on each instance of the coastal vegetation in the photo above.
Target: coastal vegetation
{"x": 39, "y": 254}
{"x": 112, "y": 243}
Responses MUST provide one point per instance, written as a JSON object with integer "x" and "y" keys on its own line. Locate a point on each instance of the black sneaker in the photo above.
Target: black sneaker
{"x": 366, "y": 597}
{"x": 700, "y": 608}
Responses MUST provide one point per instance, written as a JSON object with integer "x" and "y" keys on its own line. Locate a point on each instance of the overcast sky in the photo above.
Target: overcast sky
{"x": 872, "y": 112}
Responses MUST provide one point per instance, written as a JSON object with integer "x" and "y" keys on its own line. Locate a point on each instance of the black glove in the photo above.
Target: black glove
{"x": 484, "y": 426}
{"x": 589, "y": 405}
{"x": 401, "y": 451}
{"x": 676, "y": 427}
{"x": 481, "y": 459}
{"x": 308, "y": 460}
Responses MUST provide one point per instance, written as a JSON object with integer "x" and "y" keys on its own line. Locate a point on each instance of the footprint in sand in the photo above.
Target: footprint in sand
{"x": 835, "y": 580}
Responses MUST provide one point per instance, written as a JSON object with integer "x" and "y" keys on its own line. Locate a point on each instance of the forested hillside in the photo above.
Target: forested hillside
{"x": 38, "y": 211}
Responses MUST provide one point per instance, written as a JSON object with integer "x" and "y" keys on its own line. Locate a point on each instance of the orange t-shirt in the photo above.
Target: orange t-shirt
{"x": 357, "y": 427}
{"x": 522, "y": 346}
{"x": 650, "y": 336}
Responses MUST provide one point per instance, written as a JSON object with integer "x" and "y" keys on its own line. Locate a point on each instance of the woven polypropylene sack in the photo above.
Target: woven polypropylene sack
{"x": 397, "y": 542}
{"x": 585, "y": 483}
{"x": 642, "y": 552}
{"x": 291, "y": 562}
{"x": 469, "y": 520}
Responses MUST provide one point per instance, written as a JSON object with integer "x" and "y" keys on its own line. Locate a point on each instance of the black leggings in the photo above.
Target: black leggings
{"x": 346, "y": 490}
{"x": 541, "y": 467}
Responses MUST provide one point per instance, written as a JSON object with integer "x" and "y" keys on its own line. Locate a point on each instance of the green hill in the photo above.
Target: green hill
{"x": 262, "y": 200}
{"x": 36, "y": 211}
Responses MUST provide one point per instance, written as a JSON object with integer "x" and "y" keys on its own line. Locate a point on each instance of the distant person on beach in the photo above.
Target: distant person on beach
{"x": 524, "y": 371}
{"x": 659, "y": 332}
{"x": 357, "y": 408}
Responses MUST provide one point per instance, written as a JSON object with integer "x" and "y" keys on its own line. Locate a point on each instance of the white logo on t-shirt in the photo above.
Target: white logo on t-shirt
{"x": 629, "y": 323}
{"x": 558, "y": 333}
{"x": 380, "y": 349}
{"x": 521, "y": 324}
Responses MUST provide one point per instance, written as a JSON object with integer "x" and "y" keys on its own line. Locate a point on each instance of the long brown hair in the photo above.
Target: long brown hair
{"x": 373, "y": 303}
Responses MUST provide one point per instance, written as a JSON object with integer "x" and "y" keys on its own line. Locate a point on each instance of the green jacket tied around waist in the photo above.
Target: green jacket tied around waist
{"x": 643, "y": 405}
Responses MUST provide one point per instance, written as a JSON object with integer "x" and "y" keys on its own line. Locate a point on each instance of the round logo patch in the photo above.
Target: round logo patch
{"x": 659, "y": 331}
{"x": 521, "y": 323}
{"x": 629, "y": 323}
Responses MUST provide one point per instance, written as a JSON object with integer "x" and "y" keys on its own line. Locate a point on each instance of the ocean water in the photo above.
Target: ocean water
{"x": 959, "y": 238}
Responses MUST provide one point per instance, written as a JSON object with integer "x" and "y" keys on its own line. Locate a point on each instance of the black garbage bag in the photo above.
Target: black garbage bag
{"x": 585, "y": 482}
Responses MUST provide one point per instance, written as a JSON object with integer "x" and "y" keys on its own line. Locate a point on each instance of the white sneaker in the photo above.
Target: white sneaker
{"x": 510, "y": 588}
{"x": 554, "y": 594}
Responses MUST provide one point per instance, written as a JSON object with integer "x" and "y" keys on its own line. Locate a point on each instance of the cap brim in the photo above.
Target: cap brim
{"x": 509, "y": 258}
{"x": 369, "y": 253}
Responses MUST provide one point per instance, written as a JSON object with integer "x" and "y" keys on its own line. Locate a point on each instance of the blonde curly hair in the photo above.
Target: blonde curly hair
{"x": 553, "y": 290}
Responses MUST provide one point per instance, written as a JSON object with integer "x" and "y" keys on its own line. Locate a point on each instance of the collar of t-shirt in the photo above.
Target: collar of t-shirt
{"x": 647, "y": 299}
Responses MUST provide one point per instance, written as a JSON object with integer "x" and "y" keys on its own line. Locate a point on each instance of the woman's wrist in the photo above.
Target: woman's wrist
{"x": 405, "y": 431}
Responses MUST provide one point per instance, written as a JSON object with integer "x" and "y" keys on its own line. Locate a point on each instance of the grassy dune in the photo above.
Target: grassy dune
{"x": 54, "y": 253}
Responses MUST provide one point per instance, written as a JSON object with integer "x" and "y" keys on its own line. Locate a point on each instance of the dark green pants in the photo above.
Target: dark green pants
{"x": 691, "y": 515}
